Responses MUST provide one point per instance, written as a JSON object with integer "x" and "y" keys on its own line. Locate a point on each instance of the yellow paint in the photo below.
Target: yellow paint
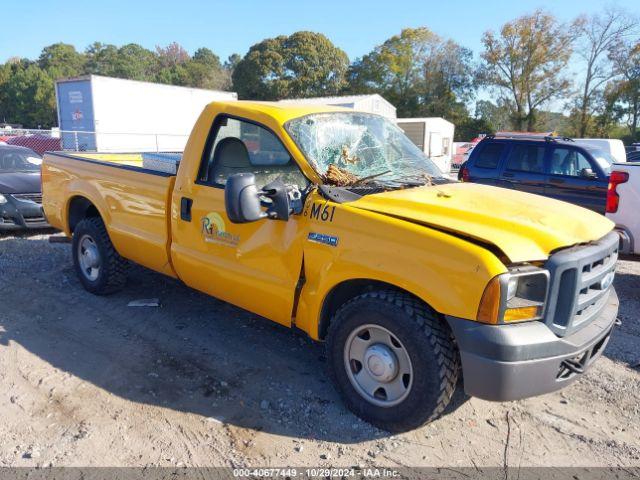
{"x": 427, "y": 241}
{"x": 132, "y": 159}
{"x": 525, "y": 227}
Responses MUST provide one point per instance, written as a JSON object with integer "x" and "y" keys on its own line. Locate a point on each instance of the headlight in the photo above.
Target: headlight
{"x": 3, "y": 199}
{"x": 516, "y": 296}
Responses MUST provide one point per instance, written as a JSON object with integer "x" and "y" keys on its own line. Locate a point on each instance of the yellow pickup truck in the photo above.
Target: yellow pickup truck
{"x": 332, "y": 222}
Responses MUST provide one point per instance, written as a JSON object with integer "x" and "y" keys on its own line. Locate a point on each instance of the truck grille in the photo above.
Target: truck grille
{"x": 581, "y": 279}
{"x": 34, "y": 197}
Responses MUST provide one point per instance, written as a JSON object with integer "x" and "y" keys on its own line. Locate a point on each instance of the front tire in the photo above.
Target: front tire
{"x": 392, "y": 360}
{"x": 99, "y": 266}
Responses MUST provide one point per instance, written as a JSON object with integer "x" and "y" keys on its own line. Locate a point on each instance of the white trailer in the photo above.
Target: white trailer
{"x": 432, "y": 135}
{"x": 117, "y": 115}
{"x": 373, "y": 103}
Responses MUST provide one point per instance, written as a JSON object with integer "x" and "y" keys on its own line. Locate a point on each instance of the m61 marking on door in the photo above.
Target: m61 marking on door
{"x": 322, "y": 212}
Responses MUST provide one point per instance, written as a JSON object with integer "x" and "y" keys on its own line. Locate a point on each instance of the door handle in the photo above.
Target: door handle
{"x": 508, "y": 175}
{"x": 185, "y": 209}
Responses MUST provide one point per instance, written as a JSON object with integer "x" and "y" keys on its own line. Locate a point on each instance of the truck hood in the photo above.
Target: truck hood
{"x": 523, "y": 226}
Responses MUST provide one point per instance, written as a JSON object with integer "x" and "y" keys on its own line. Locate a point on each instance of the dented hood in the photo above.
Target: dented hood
{"x": 523, "y": 226}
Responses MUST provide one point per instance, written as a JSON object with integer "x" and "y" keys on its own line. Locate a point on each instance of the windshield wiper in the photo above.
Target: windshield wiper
{"x": 417, "y": 181}
{"x": 370, "y": 177}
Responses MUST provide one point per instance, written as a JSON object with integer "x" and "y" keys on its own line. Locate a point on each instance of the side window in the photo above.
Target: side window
{"x": 240, "y": 147}
{"x": 567, "y": 161}
{"x": 526, "y": 158}
{"x": 489, "y": 156}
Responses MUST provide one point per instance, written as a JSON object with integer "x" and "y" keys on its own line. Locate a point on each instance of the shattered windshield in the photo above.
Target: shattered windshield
{"x": 348, "y": 149}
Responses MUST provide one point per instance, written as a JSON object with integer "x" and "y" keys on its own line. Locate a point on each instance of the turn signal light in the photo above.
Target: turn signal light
{"x": 490, "y": 304}
{"x": 521, "y": 313}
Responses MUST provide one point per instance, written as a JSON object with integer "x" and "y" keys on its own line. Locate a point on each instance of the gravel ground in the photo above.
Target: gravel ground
{"x": 89, "y": 381}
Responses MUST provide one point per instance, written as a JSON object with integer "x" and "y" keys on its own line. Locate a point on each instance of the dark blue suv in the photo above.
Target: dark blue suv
{"x": 555, "y": 167}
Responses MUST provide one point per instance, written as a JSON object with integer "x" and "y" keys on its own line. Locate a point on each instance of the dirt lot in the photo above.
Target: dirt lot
{"x": 87, "y": 380}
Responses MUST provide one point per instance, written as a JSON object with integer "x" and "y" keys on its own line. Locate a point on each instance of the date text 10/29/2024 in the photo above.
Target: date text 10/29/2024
{"x": 320, "y": 472}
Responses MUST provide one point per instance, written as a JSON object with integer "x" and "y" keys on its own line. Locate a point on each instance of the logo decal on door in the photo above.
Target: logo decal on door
{"x": 214, "y": 231}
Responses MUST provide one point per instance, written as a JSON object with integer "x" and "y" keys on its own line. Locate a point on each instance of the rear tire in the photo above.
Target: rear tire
{"x": 393, "y": 361}
{"x": 99, "y": 266}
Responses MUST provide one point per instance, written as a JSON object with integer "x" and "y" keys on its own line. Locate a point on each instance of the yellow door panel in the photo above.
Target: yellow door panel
{"x": 255, "y": 265}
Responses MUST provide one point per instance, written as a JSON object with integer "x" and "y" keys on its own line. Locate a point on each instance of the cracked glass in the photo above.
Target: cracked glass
{"x": 348, "y": 149}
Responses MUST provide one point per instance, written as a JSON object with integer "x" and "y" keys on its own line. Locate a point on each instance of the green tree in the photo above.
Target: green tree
{"x": 606, "y": 123}
{"x": 625, "y": 92}
{"x": 555, "y": 122}
{"x": 101, "y": 59}
{"x": 61, "y": 60}
{"x": 470, "y": 127}
{"x": 135, "y": 63}
{"x": 7, "y": 71}
{"x": 497, "y": 116}
{"x": 232, "y": 62}
{"x": 206, "y": 71}
{"x": 526, "y": 63}
{"x": 27, "y": 97}
{"x": 304, "y": 64}
{"x": 172, "y": 64}
{"x": 597, "y": 35}
{"x": 419, "y": 72}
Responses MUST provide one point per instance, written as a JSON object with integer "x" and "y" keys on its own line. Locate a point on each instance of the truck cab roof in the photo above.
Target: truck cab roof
{"x": 280, "y": 112}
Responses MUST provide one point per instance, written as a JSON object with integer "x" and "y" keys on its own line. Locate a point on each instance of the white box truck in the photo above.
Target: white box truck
{"x": 432, "y": 135}
{"x": 117, "y": 115}
{"x": 612, "y": 146}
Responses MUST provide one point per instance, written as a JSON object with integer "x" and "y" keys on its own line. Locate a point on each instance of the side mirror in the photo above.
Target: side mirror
{"x": 242, "y": 199}
{"x": 282, "y": 200}
{"x": 588, "y": 173}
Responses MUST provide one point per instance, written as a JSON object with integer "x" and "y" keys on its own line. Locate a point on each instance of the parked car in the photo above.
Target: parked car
{"x": 551, "y": 166}
{"x": 333, "y": 222}
{"x": 623, "y": 203}
{"x": 20, "y": 190}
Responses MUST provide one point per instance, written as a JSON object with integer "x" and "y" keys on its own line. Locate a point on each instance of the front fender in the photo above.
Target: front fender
{"x": 445, "y": 271}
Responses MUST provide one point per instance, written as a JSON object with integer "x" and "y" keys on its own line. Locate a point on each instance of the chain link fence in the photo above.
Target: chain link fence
{"x": 83, "y": 141}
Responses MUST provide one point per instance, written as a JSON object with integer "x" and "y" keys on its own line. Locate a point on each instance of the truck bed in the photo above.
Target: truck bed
{"x": 134, "y": 202}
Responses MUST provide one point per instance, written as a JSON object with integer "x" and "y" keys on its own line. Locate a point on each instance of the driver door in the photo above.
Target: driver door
{"x": 256, "y": 265}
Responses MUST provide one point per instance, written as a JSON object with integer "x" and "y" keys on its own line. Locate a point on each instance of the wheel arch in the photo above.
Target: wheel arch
{"x": 80, "y": 207}
{"x": 348, "y": 289}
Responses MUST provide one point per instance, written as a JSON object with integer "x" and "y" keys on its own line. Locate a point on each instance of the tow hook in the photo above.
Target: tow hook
{"x": 573, "y": 365}
{"x": 617, "y": 322}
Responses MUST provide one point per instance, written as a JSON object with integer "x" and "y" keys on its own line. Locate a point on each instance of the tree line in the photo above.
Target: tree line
{"x": 589, "y": 69}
